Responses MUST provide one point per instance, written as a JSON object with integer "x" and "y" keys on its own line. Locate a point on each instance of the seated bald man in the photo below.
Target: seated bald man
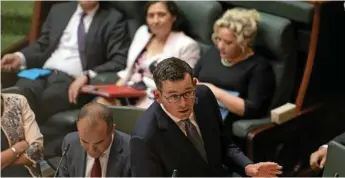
{"x": 97, "y": 149}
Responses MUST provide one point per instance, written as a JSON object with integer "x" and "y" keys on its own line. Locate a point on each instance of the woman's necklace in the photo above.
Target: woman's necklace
{"x": 228, "y": 63}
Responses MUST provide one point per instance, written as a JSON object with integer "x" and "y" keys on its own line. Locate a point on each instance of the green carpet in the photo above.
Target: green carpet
{"x": 15, "y": 21}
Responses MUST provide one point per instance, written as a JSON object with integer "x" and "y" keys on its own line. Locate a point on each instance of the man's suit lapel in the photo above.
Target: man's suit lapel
{"x": 114, "y": 155}
{"x": 177, "y": 138}
{"x": 206, "y": 131}
{"x": 64, "y": 19}
{"x": 81, "y": 168}
{"x": 91, "y": 34}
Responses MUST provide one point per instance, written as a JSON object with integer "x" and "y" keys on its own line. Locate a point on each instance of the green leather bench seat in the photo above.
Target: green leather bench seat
{"x": 124, "y": 118}
{"x": 295, "y": 11}
{"x": 132, "y": 11}
{"x": 300, "y": 13}
{"x": 63, "y": 121}
{"x": 200, "y": 15}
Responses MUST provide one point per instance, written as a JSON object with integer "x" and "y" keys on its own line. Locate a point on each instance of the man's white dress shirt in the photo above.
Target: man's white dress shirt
{"x": 66, "y": 56}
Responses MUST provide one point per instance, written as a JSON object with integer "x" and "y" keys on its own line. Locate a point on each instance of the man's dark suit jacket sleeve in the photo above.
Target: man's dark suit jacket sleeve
{"x": 143, "y": 161}
{"x": 117, "y": 44}
{"x": 34, "y": 52}
{"x": 230, "y": 149}
{"x": 340, "y": 138}
{"x": 63, "y": 172}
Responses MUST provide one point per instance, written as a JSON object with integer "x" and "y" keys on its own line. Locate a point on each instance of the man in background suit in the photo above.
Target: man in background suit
{"x": 318, "y": 158}
{"x": 183, "y": 130}
{"x": 77, "y": 41}
{"x": 97, "y": 149}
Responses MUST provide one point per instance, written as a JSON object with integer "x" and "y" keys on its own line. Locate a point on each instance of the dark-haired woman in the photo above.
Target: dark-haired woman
{"x": 161, "y": 37}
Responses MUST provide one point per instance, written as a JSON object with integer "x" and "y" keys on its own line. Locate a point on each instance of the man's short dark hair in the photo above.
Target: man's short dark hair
{"x": 171, "y": 69}
{"x": 94, "y": 111}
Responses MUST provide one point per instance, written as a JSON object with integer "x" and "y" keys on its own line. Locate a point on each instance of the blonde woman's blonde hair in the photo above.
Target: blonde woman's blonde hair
{"x": 242, "y": 22}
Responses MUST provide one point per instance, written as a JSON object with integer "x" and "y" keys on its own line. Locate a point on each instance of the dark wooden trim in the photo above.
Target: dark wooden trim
{"x": 252, "y": 134}
{"x": 36, "y": 21}
{"x": 310, "y": 59}
{"x": 310, "y": 109}
{"x": 40, "y": 12}
{"x": 250, "y": 137}
{"x": 16, "y": 46}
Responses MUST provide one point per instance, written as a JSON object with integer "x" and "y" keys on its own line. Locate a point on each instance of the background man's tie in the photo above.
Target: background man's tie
{"x": 81, "y": 37}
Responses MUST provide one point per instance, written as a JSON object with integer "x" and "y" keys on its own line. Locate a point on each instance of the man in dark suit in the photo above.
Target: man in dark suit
{"x": 77, "y": 41}
{"x": 183, "y": 130}
{"x": 97, "y": 149}
{"x": 318, "y": 158}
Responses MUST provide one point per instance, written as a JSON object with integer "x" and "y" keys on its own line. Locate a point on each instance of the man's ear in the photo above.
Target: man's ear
{"x": 157, "y": 95}
{"x": 195, "y": 81}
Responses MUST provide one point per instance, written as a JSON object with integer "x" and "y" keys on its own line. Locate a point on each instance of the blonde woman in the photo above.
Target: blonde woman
{"x": 21, "y": 139}
{"x": 242, "y": 81}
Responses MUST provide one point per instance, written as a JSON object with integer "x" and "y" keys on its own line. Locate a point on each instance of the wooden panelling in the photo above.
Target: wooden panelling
{"x": 310, "y": 59}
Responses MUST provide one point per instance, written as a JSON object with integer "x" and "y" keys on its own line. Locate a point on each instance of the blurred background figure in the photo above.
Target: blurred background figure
{"x": 242, "y": 81}
{"x": 63, "y": 53}
{"x": 161, "y": 37}
{"x": 21, "y": 139}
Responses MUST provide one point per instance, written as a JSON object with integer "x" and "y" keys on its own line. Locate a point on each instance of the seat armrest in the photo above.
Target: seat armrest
{"x": 125, "y": 117}
{"x": 264, "y": 127}
{"x": 267, "y": 141}
{"x": 14, "y": 89}
{"x": 64, "y": 122}
{"x": 8, "y": 79}
{"x": 104, "y": 78}
{"x": 241, "y": 128}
